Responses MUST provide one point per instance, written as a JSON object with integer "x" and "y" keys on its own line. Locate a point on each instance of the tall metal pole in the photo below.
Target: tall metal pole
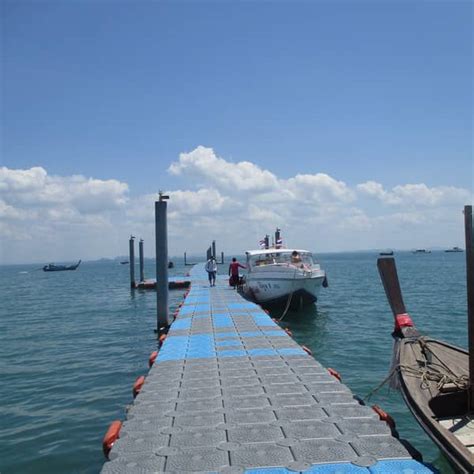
{"x": 214, "y": 249}
{"x": 222, "y": 258}
{"x": 185, "y": 263}
{"x": 161, "y": 236}
{"x": 131, "y": 247}
{"x": 142, "y": 271}
{"x": 470, "y": 296}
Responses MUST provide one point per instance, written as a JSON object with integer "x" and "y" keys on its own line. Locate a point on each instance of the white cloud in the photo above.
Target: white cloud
{"x": 415, "y": 194}
{"x": 203, "y": 163}
{"x": 319, "y": 188}
{"x": 45, "y": 211}
{"x": 68, "y": 217}
{"x": 36, "y": 189}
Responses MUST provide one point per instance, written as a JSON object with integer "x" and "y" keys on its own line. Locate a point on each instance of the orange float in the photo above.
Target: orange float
{"x": 384, "y": 416}
{"x": 113, "y": 433}
{"x": 152, "y": 358}
{"x": 137, "y": 386}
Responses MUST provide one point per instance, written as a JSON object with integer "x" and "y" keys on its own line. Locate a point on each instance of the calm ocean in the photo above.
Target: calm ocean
{"x": 73, "y": 343}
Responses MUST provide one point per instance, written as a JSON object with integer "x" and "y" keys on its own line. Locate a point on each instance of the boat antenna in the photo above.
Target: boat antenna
{"x": 470, "y": 297}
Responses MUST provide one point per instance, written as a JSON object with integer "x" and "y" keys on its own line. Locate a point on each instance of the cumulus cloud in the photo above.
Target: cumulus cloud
{"x": 319, "y": 188}
{"x": 415, "y": 194}
{"x": 46, "y": 209}
{"x": 234, "y": 203}
{"x": 203, "y": 163}
{"x": 34, "y": 187}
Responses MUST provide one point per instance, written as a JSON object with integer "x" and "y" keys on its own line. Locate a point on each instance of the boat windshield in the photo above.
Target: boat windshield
{"x": 280, "y": 258}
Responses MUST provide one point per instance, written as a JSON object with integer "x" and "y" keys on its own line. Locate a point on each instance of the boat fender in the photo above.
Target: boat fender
{"x": 325, "y": 282}
{"x": 113, "y": 433}
{"x": 162, "y": 339}
{"x": 384, "y": 416}
{"x": 335, "y": 374}
{"x": 402, "y": 320}
{"x": 287, "y": 330}
{"x": 308, "y": 351}
{"x": 152, "y": 358}
{"x": 137, "y": 386}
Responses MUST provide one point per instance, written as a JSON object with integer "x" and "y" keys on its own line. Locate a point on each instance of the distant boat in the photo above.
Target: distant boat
{"x": 454, "y": 249}
{"x": 60, "y": 268}
{"x": 421, "y": 251}
{"x": 386, "y": 254}
{"x": 125, "y": 262}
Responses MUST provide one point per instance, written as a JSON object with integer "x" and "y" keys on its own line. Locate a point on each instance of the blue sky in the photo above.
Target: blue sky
{"x": 359, "y": 91}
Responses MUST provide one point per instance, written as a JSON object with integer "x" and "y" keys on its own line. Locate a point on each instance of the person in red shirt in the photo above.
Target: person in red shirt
{"x": 234, "y": 272}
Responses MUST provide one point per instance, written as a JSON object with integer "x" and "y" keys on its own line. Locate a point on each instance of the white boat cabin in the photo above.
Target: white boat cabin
{"x": 258, "y": 258}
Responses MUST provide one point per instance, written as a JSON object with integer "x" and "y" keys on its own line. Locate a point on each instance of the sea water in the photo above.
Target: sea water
{"x": 72, "y": 344}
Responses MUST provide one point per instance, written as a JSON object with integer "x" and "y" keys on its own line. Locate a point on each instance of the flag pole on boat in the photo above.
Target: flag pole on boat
{"x": 470, "y": 297}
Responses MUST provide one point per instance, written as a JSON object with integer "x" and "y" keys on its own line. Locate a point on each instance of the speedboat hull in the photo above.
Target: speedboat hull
{"x": 294, "y": 287}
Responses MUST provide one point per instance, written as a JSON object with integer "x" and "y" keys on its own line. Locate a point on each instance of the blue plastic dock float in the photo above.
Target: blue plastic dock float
{"x": 231, "y": 392}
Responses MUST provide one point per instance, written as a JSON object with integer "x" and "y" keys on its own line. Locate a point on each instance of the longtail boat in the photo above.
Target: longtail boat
{"x": 436, "y": 379}
{"x": 60, "y": 268}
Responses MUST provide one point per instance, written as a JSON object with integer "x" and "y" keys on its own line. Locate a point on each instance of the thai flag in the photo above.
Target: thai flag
{"x": 279, "y": 241}
{"x": 262, "y": 243}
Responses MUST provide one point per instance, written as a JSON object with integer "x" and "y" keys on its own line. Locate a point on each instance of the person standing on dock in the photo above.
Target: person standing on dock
{"x": 211, "y": 269}
{"x": 234, "y": 266}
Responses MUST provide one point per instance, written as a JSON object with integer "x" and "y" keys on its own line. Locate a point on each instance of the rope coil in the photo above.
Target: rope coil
{"x": 437, "y": 372}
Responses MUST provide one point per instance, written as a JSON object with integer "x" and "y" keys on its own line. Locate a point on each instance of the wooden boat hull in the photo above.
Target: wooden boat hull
{"x": 443, "y": 415}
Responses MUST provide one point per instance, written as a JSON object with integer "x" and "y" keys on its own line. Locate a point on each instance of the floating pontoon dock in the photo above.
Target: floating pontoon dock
{"x": 174, "y": 282}
{"x": 231, "y": 392}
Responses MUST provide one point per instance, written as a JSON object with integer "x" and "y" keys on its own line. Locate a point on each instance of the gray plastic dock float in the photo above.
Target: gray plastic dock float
{"x": 231, "y": 392}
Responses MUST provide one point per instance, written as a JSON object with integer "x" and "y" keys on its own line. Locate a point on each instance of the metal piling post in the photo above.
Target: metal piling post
{"x": 131, "y": 246}
{"x": 142, "y": 271}
{"x": 161, "y": 237}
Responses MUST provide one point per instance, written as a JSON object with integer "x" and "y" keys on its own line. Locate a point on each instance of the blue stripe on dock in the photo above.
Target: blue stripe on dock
{"x": 230, "y": 391}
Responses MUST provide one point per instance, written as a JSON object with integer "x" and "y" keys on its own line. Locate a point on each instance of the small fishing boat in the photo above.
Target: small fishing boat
{"x": 281, "y": 276}
{"x": 421, "y": 251}
{"x": 60, "y": 268}
{"x": 454, "y": 249}
{"x": 436, "y": 379}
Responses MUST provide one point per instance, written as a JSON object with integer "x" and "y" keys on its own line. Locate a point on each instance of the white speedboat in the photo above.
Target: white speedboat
{"x": 280, "y": 276}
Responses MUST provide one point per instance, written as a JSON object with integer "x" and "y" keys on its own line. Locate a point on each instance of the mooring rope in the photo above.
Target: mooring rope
{"x": 440, "y": 373}
{"x": 290, "y": 297}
